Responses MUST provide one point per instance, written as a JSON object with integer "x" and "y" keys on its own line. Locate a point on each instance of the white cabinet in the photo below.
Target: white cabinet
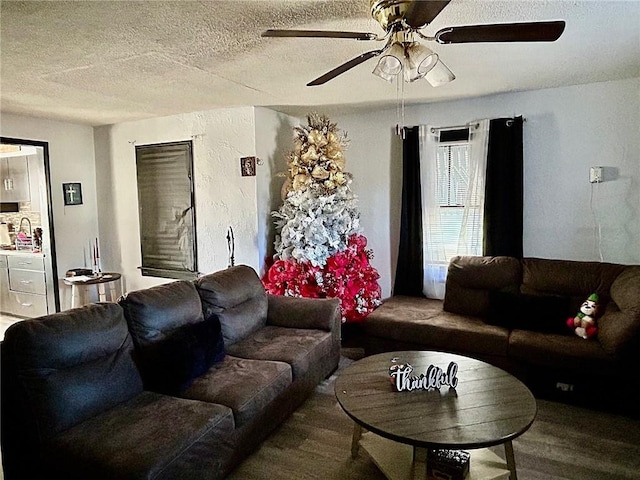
{"x": 4, "y": 282}
{"x": 24, "y": 287}
{"x": 37, "y": 183}
{"x": 14, "y": 186}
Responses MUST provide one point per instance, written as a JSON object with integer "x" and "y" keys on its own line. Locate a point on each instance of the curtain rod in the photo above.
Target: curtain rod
{"x": 512, "y": 119}
{"x": 467, "y": 125}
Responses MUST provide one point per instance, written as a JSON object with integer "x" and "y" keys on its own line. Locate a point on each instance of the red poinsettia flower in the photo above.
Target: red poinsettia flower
{"x": 347, "y": 275}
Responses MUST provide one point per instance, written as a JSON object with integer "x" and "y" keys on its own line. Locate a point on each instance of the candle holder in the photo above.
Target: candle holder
{"x": 96, "y": 267}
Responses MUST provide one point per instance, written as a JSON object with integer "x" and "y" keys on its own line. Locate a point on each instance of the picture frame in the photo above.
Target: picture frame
{"x": 248, "y": 166}
{"x": 72, "y": 193}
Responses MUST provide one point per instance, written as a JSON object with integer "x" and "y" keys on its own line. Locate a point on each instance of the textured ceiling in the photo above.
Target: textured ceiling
{"x": 102, "y": 62}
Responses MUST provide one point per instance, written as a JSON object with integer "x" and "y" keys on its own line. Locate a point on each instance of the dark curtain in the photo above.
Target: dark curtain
{"x": 409, "y": 273}
{"x": 504, "y": 189}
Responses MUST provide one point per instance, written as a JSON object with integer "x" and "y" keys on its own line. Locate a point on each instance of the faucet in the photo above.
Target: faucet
{"x": 28, "y": 222}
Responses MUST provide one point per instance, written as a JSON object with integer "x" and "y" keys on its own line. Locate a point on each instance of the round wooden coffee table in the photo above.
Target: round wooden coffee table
{"x": 488, "y": 407}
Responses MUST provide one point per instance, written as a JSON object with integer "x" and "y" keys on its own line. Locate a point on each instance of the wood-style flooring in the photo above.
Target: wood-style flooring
{"x": 565, "y": 442}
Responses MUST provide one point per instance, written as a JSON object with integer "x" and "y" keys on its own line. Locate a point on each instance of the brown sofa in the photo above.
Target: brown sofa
{"x": 178, "y": 381}
{"x": 512, "y": 313}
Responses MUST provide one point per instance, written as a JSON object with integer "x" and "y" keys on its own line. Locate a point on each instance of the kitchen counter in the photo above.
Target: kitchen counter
{"x": 21, "y": 252}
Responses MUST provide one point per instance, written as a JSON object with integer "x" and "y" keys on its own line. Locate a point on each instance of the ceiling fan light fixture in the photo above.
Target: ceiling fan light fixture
{"x": 439, "y": 74}
{"x": 391, "y": 63}
{"x": 420, "y": 60}
{"x": 402, "y": 21}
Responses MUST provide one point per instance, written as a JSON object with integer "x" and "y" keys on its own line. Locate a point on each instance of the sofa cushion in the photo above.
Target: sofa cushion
{"x": 147, "y": 437}
{"x": 568, "y": 278}
{"x": 469, "y": 280}
{"x": 153, "y": 312}
{"x": 422, "y": 321}
{"x": 238, "y": 297}
{"x": 174, "y": 342}
{"x": 301, "y": 348}
{"x": 541, "y": 313}
{"x": 71, "y": 366}
{"x": 171, "y": 364}
{"x": 565, "y": 352}
{"x": 619, "y": 327}
{"x": 245, "y": 386}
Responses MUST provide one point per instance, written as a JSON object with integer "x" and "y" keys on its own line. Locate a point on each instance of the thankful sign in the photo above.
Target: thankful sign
{"x": 434, "y": 378}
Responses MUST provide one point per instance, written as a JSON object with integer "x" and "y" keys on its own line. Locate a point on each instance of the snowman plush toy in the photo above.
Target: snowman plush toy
{"x": 584, "y": 323}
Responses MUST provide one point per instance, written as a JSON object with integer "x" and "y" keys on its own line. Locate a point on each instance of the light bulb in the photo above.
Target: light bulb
{"x": 390, "y": 63}
{"x": 420, "y": 61}
{"x": 439, "y": 75}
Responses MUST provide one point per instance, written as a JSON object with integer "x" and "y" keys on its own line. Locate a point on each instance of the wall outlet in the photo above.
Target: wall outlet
{"x": 595, "y": 174}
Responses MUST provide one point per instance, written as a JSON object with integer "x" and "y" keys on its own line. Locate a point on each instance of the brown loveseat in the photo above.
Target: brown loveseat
{"x": 512, "y": 312}
{"x": 178, "y": 381}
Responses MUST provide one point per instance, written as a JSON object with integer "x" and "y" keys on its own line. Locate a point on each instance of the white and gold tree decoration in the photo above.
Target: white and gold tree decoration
{"x": 317, "y": 158}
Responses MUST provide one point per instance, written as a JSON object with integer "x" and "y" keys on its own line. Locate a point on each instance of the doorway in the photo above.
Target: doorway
{"x": 28, "y": 267}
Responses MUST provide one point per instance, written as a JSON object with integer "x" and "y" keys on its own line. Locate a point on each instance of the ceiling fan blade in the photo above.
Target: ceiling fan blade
{"x": 319, "y": 34}
{"x": 502, "y": 32}
{"x": 422, "y": 12}
{"x": 344, "y": 67}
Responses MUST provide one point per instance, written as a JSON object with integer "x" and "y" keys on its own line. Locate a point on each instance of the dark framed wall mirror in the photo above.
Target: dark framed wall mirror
{"x": 28, "y": 267}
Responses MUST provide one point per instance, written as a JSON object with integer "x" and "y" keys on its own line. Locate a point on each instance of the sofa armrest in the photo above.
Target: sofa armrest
{"x": 619, "y": 327}
{"x": 296, "y": 312}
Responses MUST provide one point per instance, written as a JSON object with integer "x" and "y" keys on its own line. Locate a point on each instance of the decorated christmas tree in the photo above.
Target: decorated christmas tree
{"x": 320, "y": 251}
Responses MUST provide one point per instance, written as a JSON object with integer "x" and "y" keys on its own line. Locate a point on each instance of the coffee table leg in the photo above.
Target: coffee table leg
{"x": 420, "y": 454}
{"x": 355, "y": 440}
{"x": 511, "y": 460}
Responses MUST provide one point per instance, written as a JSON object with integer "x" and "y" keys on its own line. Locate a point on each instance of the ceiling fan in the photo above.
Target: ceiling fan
{"x": 403, "y": 21}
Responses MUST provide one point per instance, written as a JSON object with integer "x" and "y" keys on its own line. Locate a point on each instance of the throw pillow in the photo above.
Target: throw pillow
{"x": 172, "y": 364}
{"x": 540, "y": 313}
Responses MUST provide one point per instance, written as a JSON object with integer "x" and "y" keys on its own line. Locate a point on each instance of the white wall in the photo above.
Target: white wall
{"x": 223, "y": 197}
{"x": 567, "y": 130}
{"x": 274, "y": 140}
{"x": 71, "y": 159}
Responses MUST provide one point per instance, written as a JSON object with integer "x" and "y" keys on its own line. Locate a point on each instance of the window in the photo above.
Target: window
{"x": 453, "y": 194}
{"x": 452, "y": 166}
{"x": 167, "y": 210}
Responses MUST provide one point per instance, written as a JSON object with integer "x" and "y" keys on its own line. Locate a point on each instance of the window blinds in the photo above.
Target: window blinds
{"x": 453, "y": 181}
{"x": 166, "y": 209}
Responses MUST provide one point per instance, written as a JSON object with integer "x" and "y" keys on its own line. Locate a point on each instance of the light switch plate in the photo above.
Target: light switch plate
{"x": 595, "y": 174}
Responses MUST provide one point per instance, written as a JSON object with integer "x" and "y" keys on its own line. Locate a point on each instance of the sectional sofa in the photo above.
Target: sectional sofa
{"x": 179, "y": 381}
{"x": 512, "y": 313}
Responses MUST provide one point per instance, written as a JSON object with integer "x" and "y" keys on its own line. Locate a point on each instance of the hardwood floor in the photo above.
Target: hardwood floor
{"x": 565, "y": 442}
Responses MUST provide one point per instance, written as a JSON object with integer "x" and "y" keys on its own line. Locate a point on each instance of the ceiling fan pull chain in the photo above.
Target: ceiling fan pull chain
{"x": 401, "y": 82}
{"x": 400, "y": 105}
{"x": 398, "y": 126}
